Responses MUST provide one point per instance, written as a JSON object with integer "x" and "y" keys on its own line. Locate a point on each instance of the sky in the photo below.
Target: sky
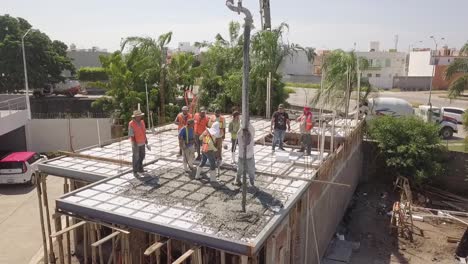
{"x": 326, "y": 24}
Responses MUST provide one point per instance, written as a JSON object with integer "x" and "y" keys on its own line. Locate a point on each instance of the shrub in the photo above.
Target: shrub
{"x": 92, "y": 74}
{"x": 410, "y": 147}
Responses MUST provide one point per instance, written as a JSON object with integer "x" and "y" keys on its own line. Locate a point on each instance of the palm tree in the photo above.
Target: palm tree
{"x": 464, "y": 49}
{"x": 460, "y": 84}
{"x": 340, "y": 79}
{"x": 155, "y": 53}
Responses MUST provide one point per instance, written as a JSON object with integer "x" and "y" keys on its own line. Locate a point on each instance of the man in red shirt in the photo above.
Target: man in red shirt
{"x": 305, "y": 127}
{"x": 137, "y": 135}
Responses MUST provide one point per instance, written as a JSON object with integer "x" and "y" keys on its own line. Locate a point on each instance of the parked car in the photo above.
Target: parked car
{"x": 448, "y": 125}
{"x": 454, "y": 112}
{"x": 20, "y": 167}
{"x": 69, "y": 88}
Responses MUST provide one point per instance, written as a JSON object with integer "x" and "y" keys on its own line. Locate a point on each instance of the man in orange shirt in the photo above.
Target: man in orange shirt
{"x": 181, "y": 121}
{"x": 305, "y": 126}
{"x": 201, "y": 123}
{"x": 137, "y": 135}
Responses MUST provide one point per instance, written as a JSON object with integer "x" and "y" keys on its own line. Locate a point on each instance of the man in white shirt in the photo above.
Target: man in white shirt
{"x": 246, "y": 136}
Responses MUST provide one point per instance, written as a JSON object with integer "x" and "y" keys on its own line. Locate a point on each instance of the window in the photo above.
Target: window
{"x": 369, "y": 75}
{"x": 377, "y": 75}
{"x": 387, "y": 62}
{"x": 34, "y": 158}
{"x": 455, "y": 111}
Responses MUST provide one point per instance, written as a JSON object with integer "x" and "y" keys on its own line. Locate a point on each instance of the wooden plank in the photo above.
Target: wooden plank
{"x": 187, "y": 254}
{"x": 41, "y": 215}
{"x": 45, "y": 200}
{"x": 58, "y": 226}
{"x": 105, "y": 239}
{"x": 68, "y": 229}
{"x": 244, "y": 259}
{"x": 443, "y": 211}
{"x": 223, "y": 257}
{"x": 154, "y": 247}
{"x": 83, "y": 156}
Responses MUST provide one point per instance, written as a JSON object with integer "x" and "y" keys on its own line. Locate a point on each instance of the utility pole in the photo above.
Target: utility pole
{"x": 245, "y": 87}
{"x": 433, "y": 73}
{"x": 26, "y": 84}
{"x": 265, "y": 16}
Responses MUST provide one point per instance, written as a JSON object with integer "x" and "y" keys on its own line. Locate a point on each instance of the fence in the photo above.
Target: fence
{"x": 69, "y": 115}
{"x": 13, "y": 105}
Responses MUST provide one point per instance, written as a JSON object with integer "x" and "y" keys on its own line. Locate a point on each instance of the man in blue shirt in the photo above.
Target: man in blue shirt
{"x": 187, "y": 142}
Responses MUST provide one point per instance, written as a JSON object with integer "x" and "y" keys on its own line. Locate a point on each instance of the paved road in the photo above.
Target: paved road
{"x": 20, "y": 231}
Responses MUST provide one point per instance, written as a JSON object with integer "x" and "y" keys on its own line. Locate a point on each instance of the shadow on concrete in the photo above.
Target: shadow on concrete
{"x": 15, "y": 189}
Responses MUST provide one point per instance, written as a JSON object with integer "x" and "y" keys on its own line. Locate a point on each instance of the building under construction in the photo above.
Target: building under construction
{"x": 107, "y": 215}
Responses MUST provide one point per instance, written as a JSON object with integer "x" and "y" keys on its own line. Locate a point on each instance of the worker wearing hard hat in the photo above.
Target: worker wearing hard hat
{"x": 209, "y": 149}
{"x": 181, "y": 121}
{"x": 137, "y": 135}
{"x": 187, "y": 141}
{"x": 305, "y": 126}
{"x": 233, "y": 128}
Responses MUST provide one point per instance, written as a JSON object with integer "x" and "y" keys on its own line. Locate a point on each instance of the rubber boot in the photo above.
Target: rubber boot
{"x": 233, "y": 157}
{"x": 197, "y": 174}
{"x": 213, "y": 176}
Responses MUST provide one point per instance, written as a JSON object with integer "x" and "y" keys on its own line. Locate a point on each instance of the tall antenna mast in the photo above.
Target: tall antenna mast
{"x": 396, "y": 42}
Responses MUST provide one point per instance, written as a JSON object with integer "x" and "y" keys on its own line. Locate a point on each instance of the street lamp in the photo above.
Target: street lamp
{"x": 26, "y": 74}
{"x": 433, "y": 68}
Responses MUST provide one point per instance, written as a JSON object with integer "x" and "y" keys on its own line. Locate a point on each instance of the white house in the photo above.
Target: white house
{"x": 419, "y": 63}
{"x": 383, "y": 66}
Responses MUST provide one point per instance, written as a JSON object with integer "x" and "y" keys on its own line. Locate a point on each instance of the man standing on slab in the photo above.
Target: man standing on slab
{"x": 137, "y": 135}
{"x": 279, "y": 122}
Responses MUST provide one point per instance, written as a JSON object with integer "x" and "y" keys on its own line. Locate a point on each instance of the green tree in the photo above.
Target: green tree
{"x": 459, "y": 84}
{"x": 92, "y": 74}
{"x": 341, "y": 78}
{"x": 464, "y": 49}
{"x": 46, "y": 59}
{"x": 409, "y": 146}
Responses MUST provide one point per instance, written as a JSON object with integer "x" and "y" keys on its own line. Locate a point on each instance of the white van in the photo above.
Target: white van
{"x": 20, "y": 167}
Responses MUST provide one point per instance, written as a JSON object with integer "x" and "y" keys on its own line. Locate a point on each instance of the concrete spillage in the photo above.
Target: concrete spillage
{"x": 168, "y": 202}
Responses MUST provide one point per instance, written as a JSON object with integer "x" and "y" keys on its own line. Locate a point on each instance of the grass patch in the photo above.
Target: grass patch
{"x": 303, "y": 85}
{"x": 458, "y": 145}
{"x": 289, "y": 90}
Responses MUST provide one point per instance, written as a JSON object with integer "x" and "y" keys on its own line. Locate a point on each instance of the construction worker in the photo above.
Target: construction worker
{"x": 233, "y": 129}
{"x": 209, "y": 150}
{"x": 187, "y": 141}
{"x": 137, "y": 135}
{"x": 222, "y": 128}
{"x": 201, "y": 123}
{"x": 305, "y": 126}
{"x": 181, "y": 121}
{"x": 246, "y": 137}
{"x": 279, "y": 122}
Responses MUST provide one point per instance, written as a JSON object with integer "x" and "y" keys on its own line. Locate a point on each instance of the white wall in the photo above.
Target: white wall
{"x": 54, "y": 134}
{"x": 11, "y": 120}
{"x": 419, "y": 63}
{"x": 296, "y": 64}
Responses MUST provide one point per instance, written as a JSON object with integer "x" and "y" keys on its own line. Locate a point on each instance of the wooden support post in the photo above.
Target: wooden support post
{"x": 103, "y": 240}
{"x": 101, "y": 256}
{"x": 169, "y": 252}
{"x": 187, "y": 254}
{"x": 198, "y": 257}
{"x": 85, "y": 243}
{"x": 114, "y": 253}
{"x": 154, "y": 247}
{"x": 49, "y": 228}
{"x": 306, "y": 246}
{"x": 244, "y": 259}
{"x": 315, "y": 237}
{"x": 92, "y": 240}
{"x": 41, "y": 215}
{"x": 58, "y": 227}
{"x": 158, "y": 253}
{"x": 223, "y": 257}
{"x": 66, "y": 189}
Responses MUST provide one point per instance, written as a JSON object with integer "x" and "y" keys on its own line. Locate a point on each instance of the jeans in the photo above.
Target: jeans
{"x": 188, "y": 155}
{"x": 278, "y": 136}
{"x": 198, "y": 144}
{"x": 210, "y": 156}
{"x": 233, "y": 145}
{"x": 306, "y": 140}
{"x": 250, "y": 170}
{"x": 138, "y": 157}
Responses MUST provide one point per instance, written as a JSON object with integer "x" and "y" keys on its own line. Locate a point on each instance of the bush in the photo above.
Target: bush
{"x": 92, "y": 74}
{"x": 410, "y": 147}
{"x": 303, "y": 85}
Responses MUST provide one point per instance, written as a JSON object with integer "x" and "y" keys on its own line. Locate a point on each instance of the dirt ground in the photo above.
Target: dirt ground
{"x": 367, "y": 222}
